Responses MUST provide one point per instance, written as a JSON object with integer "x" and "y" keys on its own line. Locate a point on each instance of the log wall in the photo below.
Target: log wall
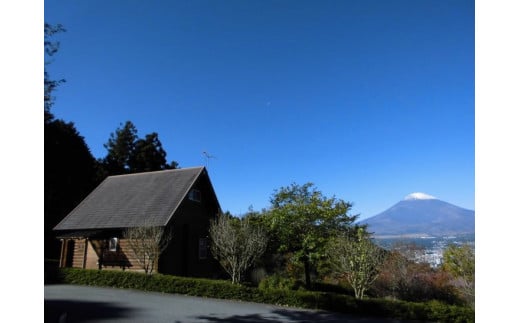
{"x": 122, "y": 259}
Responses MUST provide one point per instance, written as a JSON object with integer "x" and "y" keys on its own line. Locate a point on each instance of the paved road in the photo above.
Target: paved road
{"x": 69, "y": 303}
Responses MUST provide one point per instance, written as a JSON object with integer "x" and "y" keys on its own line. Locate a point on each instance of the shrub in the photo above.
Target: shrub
{"x": 449, "y": 313}
{"x": 337, "y": 288}
{"x": 409, "y": 281}
{"x": 257, "y": 275}
{"x": 431, "y": 311}
{"x": 277, "y": 281}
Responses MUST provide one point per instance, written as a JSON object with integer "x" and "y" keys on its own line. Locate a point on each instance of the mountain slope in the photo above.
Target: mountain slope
{"x": 422, "y": 214}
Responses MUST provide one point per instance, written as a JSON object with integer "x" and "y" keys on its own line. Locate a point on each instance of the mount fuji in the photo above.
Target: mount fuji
{"x": 420, "y": 214}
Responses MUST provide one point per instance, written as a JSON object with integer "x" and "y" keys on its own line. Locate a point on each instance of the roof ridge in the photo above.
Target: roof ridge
{"x": 158, "y": 171}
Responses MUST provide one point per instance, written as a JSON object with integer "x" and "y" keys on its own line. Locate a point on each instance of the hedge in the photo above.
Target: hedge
{"x": 430, "y": 311}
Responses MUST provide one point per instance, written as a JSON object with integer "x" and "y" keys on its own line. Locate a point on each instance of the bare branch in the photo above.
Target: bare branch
{"x": 147, "y": 242}
{"x": 236, "y": 244}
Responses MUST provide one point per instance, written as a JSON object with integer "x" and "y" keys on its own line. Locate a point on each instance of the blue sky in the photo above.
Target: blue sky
{"x": 369, "y": 100}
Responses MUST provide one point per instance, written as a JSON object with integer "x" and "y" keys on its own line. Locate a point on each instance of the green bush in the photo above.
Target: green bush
{"x": 431, "y": 311}
{"x": 450, "y": 313}
{"x": 332, "y": 288}
{"x": 277, "y": 281}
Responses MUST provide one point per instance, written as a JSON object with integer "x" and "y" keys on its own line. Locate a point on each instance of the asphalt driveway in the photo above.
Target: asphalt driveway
{"x": 70, "y": 303}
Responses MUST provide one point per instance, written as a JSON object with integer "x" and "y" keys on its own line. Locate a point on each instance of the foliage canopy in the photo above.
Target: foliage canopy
{"x": 303, "y": 220}
{"x": 459, "y": 261}
{"x": 358, "y": 259}
{"x": 127, "y": 153}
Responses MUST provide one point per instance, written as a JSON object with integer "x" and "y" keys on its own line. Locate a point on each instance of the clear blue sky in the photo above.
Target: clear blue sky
{"x": 369, "y": 100}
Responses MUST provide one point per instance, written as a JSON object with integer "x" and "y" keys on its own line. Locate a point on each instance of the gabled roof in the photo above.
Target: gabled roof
{"x": 125, "y": 201}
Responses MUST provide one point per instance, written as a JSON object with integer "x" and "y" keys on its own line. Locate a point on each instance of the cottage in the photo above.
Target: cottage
{"x": 181, "y": 201}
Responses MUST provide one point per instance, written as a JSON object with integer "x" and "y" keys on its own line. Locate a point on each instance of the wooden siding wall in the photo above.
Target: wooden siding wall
{"x": 79, "y": 252}
{"x": 84, "y": 258}
{"x": 181, "y": 258}
{"x": 92, "y": 258}
{"x": 122, "y": 259}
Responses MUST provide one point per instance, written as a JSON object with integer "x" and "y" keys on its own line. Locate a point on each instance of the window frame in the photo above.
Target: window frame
{"x": 113, "y": 244}
{"x": 195, "y": 195}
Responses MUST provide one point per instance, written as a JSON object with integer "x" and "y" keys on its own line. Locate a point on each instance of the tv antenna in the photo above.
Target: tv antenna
{"x": 207, "y": 156}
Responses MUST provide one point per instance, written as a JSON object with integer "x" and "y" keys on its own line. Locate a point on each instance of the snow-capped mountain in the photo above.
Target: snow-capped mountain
{"x": 424, "y": 215}
{"x": 419, "y": 196}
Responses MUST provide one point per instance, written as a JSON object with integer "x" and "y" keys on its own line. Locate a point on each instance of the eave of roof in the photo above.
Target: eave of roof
{"x": 80, "y": 234}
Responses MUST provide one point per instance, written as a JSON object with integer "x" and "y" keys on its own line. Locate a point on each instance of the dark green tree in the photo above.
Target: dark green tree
{"x": 120, "y": 149}
{"x": 148, "y": 154}
{"x": 303, "y": 220}
{"x": 70, "y": 173}
{"x": 127, "y": 153}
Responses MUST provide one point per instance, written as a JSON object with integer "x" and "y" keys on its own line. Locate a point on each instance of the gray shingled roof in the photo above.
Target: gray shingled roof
{"x": 125, "y": 201}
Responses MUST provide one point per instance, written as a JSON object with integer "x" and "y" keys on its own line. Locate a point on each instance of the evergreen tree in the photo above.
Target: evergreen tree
{"x": 120, "y": 146}
{"x": 148, "y": 155}
{"x": 69, "y": 176}
{"x": 127, "y": 153}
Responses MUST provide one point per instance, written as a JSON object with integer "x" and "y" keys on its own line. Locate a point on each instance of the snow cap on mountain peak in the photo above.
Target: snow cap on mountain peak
{"x": 419, "y": 196}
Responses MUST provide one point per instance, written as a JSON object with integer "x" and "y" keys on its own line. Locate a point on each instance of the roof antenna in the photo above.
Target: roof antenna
{"x": 207, "y": 156}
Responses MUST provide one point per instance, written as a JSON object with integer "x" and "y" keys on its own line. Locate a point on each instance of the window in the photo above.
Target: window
{"x": 194, "y": 195}
{"x": 203, "y": 248}
{"x": 112, "y": 244}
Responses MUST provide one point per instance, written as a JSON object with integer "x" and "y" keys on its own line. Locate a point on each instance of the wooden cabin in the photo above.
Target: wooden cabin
{"x": 181, "y": 201}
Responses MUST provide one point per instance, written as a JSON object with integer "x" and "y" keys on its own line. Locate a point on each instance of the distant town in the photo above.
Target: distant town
{"x": 426, "y": 248}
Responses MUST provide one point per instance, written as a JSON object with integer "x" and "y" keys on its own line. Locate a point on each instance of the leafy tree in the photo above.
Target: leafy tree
{"x": 236, "y": 244}
{"x": 404, "y": 269}
{"x": 303, "y": 220}
{"x": 358, "y": 259}
{"x": 403, "y": 278}
{"x": 393, "y": 279}
{"x": 459, "y": 261}
{"x": 51, "y": 47}
{"x": 147, "y": 242}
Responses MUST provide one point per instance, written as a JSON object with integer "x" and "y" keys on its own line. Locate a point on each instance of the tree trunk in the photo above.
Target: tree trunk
{"x": 359, "y": 292}
{"x": 307, "y": 267}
